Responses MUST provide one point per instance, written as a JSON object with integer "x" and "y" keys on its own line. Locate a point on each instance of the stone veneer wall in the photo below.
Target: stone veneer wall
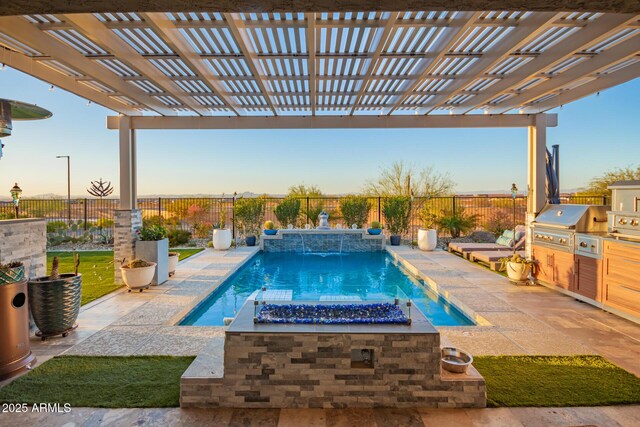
{"x": 25, "y": 240}
{"x": 127, "y": 223}
{"x": 313, "y": 370}
{"x": 306, "y": 241}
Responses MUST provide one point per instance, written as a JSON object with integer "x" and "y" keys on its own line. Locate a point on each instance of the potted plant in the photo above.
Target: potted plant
{"x": 517, "y": 268}
{"x": 375, "y": 229}
{"x": 11, "y": 273}
{"x": 173, "y": 262}
{"x": 427, "y": 236}
{"x": 287, "y": 211}
{"x": 249, "y": 214}
{"x": 54, "y": 300}
{"x": 458, "y": 222}
{"x": 355, "y": 210}
{"x": 138, "y": 274}
{"x": 396, "y": 211}
{"x": 221, "y": 234}
{"x": 270, "y": 228}
{"x": 154, "y": 247}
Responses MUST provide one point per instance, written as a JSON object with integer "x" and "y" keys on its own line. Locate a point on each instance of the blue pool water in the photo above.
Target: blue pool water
{"x": 369, "y": 276}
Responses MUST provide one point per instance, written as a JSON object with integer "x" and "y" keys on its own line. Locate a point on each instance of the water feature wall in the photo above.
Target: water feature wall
{"x": 322, "y": 241}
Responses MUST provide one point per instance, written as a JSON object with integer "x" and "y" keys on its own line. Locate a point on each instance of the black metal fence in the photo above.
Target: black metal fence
{"x": 200, "y": 215}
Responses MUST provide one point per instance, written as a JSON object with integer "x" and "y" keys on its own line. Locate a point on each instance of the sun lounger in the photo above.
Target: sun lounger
{"x": 465, "y": 249}
{"x": 491, "y": 258}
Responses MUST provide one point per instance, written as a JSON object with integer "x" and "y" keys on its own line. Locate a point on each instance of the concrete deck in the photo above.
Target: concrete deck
{"x": 513, "y": 320}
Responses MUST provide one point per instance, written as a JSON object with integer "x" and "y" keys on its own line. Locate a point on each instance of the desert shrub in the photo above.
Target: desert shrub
{"x": 151, "y": 221}
{"x": 56, "y": 225}
{"x": 287, "y": 211}
{"x": 498, "y": 222}
{"x": 178, "y": 237}
{"x": 458, "y": 222}
{"x": 105, "y": 223}
{"x": 355, "y": 210}
{"x": 202, "y": 230}
{"x": 249, "y": 214}
{"x": 396, "y": 211}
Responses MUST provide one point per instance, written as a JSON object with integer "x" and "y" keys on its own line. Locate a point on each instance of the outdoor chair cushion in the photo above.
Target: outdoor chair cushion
{"x": 505, "y": 241}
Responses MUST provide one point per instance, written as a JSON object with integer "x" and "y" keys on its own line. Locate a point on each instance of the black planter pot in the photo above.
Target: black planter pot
{"x": 250, "y": 240}
{"x": 395, "y": 240}
{"x": 55, "y": 304}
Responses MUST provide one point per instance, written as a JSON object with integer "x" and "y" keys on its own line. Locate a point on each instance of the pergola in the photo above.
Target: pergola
{"x": 284, "y": 65}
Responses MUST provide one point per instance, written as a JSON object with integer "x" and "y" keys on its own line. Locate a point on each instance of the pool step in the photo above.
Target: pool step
{"x": 340, "y": 298}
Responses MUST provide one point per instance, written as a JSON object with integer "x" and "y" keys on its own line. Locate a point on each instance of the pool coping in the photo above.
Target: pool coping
{"x": 188, "y": 309}
{"x": 446, "y": 295}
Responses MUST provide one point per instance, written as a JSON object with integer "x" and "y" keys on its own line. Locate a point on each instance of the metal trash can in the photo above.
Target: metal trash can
{"x": 15, "y": 349}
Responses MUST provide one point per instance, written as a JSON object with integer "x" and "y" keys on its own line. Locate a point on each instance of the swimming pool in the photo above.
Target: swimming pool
{"x": 368, "y": 276}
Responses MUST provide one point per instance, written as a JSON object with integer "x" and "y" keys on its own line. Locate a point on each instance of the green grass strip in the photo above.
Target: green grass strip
{"x": 102, "y": 382}
{"x": 556, "y": 381}
{"x": 97, "y": 270}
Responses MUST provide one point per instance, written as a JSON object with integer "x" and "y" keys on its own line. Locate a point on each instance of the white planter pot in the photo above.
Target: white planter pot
{"x": 427, "y": 239}
{"x": 221, "y": 239}
{"x": 138, "y": 278}
{"x": 173, "y": 264}
{"x": 155, "y": 251}
{"x": 518, "y": 272}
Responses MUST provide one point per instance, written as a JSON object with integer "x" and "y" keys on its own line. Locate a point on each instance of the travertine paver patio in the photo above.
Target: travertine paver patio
{"x": 605, "y": 416}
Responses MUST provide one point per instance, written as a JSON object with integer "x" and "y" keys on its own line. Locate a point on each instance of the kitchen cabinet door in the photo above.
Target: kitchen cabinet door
{"x": 544, "y": 266}
{"x": 588, "y": 277}
{"x": 563, "y": 264}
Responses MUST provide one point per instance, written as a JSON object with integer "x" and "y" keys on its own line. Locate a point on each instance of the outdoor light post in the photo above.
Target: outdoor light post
{"x": 16, "y": 192}
{"x": 514, "y": 193}
{"x": 68, "y": 186}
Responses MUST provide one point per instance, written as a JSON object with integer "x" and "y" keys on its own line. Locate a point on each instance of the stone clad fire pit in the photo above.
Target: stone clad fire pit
{"x": 382, "y": 313}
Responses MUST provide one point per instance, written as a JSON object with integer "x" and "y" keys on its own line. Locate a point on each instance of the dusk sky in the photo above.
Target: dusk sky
{"x": 595, "y": 134}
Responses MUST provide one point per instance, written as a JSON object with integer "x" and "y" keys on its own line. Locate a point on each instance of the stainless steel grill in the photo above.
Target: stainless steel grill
{"x": 624, "y": 217}
{"x": 556, "y": 226}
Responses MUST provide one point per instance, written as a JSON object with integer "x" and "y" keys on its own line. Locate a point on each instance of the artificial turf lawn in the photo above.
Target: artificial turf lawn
{"x": 97, "y": 270}
{"x": 556, "y": 381}
{"x": 102, "y": 382}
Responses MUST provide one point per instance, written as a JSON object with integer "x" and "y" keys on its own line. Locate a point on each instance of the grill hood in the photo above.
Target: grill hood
{"x": 581, "y": 218}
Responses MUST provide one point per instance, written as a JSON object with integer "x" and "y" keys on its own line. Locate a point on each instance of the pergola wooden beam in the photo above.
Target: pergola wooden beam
{"x": 36, "y": 69}
{"x": 28, "y": 34}
{"x": 22, "y": 7}
{"x": 601, "y": 83}
{"x": 446, "y": 42}
{"x": 238, "y": 31}
{"x": 311, "y": 61}
{"x": 98, "y": 33}
{"x": 336, "y": 122}
{"x": 589, "y": 67}
{"x": 167, "y": 29}
{"x": 525, "y": 31}
{"x": 601, "y": 29}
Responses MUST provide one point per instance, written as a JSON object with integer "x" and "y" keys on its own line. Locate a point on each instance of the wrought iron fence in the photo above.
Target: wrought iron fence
{"x": 200, "y": 215}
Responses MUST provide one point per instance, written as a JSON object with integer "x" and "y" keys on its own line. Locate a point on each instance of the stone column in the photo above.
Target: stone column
{"x": 127, "y": 224}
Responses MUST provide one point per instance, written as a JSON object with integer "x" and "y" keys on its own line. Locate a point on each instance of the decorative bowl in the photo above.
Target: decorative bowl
{"x": 455, "y": 360}
{"x": 374, "y": 231}
{"x": 270, "y": 232}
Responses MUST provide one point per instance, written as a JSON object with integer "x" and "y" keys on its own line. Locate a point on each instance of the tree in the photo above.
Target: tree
{"x": 316, "y": 204}
{"x": 396, "y": 179}
{"x": 598, "y": 185}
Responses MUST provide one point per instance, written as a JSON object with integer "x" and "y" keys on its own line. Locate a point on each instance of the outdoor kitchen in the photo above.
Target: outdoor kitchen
{"x": 593, "y": 254}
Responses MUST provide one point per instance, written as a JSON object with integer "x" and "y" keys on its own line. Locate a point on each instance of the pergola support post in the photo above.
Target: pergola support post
{"x": 536, "y": 174}
{"x": 128, "y": 219}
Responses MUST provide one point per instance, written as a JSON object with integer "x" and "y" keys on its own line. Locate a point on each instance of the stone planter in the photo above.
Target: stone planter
{"x": 55, "y": 304}
{"x": 173, "y": 263}
{"x": 221, "y": 239}
{"x": 156, "y": 251}
{"x": 138, "y": 278}
{"x": 395, "y": 240}
{"x": 427, "y": 239}
{"x": 518, "y": 272}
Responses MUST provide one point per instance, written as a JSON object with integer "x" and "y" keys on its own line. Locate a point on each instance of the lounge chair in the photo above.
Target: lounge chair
{"x": 503, "y": 243}
{"x": 491, "y": 258}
